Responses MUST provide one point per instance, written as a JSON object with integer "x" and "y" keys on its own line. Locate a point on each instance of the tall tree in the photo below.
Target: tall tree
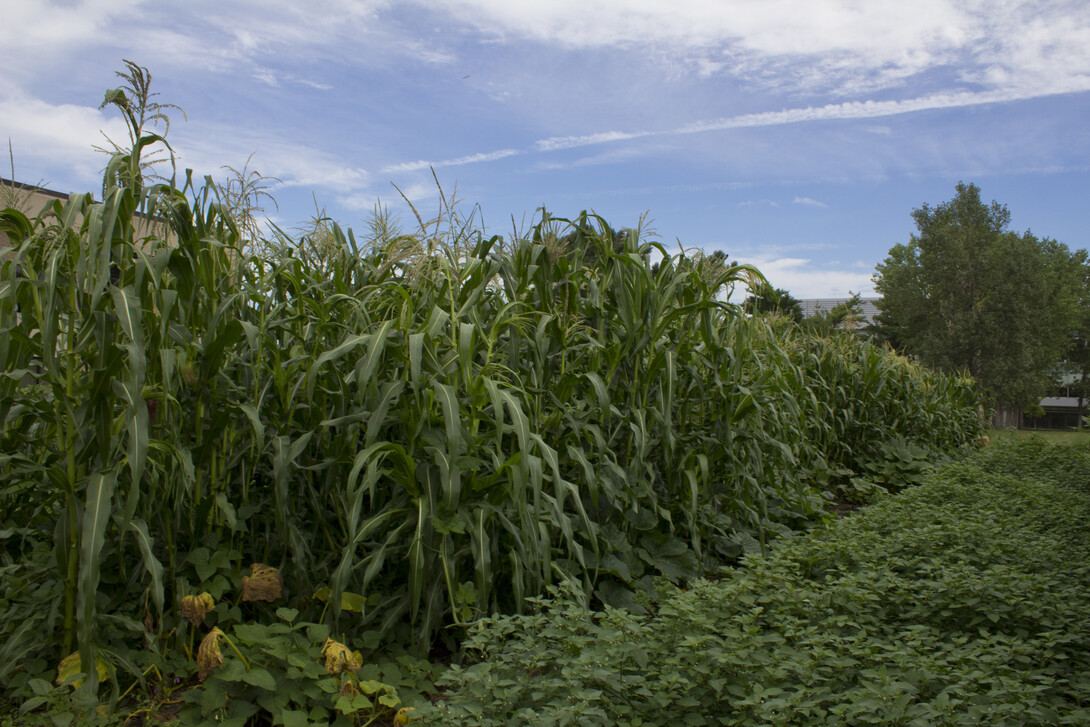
{"x": 773, "y": 300}
{"x": 965, "y": 293}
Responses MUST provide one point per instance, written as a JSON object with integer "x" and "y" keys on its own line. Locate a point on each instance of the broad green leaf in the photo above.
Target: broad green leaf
{"x": 260, "y": 678}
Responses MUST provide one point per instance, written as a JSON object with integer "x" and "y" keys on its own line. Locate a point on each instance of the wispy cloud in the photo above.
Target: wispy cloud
{"x": 266, "y": 76}
{"x": 609, "y": 156}
{"x": 275, "y": 79}
{"x": 293, "y": 165}
{"x": 876, "y": 109}
{"x": 849, "y": 110}
{"x": 64, "y": 135}
{"x": 687, "y": 100}
{"x": 489, "y": 156}
{"x": 556, "y": 143}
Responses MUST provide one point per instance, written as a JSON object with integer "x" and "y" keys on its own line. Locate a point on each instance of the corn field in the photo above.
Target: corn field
{"x": 414, "y": 430}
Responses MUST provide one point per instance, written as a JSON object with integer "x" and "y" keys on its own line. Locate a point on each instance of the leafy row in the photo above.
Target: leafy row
{"x": 960, "y": 602}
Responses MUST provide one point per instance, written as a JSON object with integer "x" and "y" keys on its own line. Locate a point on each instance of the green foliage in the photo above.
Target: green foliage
{"x": 282, "y": 671}
{"x": 414, "y": 431}
{"x": 897, "y": 464}
{"x": 418, "y": 441}
{"x": 966, "y": 294}
{"x": 960, "y": 602}
{"x": 58, "y": 706}
{"x": 866, "y": 403}
{"x": 135, "y": 159}
{"x": 846, "y": 316}
{"x": 774, "y": 300}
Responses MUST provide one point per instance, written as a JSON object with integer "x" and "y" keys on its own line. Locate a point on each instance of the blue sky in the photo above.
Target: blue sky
{"x": 794, "y": 134}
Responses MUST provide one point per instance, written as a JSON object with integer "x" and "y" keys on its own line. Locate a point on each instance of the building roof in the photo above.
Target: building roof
{"x": 1060, "y": 401}
{"x": 810, "y": 306}
{"x": 31, "y": 188}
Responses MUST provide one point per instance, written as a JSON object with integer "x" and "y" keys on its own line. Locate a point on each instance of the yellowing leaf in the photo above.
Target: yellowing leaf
{"x": 263, "y": 584}
{"x": 71, "y": 665}
{"x": 195, "y": 608}
{"x": 208, "y": 653}
{"x": 338, "y": 658}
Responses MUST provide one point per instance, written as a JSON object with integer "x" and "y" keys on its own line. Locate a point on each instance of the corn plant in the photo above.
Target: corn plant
{"x": 414, "y": 430}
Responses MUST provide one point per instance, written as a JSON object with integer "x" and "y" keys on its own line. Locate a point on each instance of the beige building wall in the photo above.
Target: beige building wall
{"x": 27, "y": 198}
{"x": 31, "y": 200}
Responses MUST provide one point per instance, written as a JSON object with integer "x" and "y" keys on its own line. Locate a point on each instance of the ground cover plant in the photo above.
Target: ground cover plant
{"x": 1074, "y": 437}
{"x": 379, "y": 441}
{"x": 960, "y": 602}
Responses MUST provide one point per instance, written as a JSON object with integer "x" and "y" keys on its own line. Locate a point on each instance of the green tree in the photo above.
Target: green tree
{"x": 774, "y": 300}
{"x": 965, "y": 293}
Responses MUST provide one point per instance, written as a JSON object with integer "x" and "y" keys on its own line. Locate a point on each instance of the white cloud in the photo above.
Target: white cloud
{"x": 877, "y": 109}
{"x": 400, "y": 199}
{"x": 813, "y": 44}
{"x": 52, "y": 26}
{"x": 844, "y": 45}
{"x": 266, "y": 76}
{"x": 241, "y": 37}
{"x": 57, "y": 140}
{"x": 926, "y": 56}
{"x": 490, "y": 156}
{"x": 274, "y": 79}
{"x": 293, "y": 164}
{"x": 260, "y": 26}
{"x": 421, "y": 191}
{"x": 570, "y": 142}
{"x": 771, "y": 26}
{"x": 59, "y": 135}
{"x": 808, "y": 202}
{"x": 805, "y": 278}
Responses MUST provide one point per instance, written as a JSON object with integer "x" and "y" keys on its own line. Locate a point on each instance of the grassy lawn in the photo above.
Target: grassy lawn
{"x": 1079, "y": 439}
